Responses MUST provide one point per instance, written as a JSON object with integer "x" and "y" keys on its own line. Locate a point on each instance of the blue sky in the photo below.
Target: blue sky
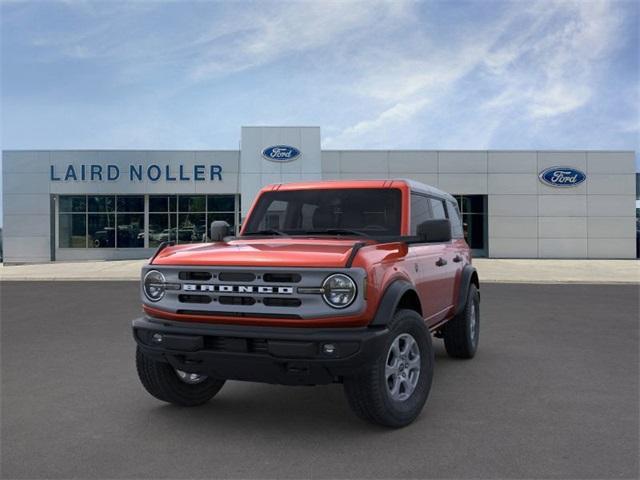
{"x": 372, "y": 74}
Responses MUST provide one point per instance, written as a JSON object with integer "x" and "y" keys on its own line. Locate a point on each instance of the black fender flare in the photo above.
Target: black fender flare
{"x": 468, "y": 274}
{"x": 389, "y": 302}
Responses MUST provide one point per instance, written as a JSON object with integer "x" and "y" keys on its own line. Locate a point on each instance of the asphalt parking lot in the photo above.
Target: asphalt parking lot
{"x": 552, "y": 393}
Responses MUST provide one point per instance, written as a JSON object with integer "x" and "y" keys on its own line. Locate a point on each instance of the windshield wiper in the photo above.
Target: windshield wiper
{"x": 269, "y": 231}
{"x": 337, "y": 231}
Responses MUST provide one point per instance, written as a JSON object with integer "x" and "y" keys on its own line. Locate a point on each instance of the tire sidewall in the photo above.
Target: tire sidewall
{"x": 162, "y": 381}
{"x": 472, "y": 301}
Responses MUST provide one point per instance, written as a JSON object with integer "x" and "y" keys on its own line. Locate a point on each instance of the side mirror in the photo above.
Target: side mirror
{"x": 435, "y": 231}
{"x": 219, "y": 229}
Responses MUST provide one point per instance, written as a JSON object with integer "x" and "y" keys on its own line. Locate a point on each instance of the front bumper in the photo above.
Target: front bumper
{"x": 282, "y": 355}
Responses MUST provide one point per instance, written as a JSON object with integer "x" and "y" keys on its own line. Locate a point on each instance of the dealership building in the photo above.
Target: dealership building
{"x": 121, "y": 204}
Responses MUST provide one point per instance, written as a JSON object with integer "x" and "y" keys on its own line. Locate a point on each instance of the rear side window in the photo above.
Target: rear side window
{"x": 437, "y": 207}
{"x": 420, "y": 211}
{"x": 456, "y": 222}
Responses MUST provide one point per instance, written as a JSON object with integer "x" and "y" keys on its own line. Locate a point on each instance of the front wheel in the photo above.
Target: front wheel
{"x": 175, "y": 386}
{"x": 392, "y": 390}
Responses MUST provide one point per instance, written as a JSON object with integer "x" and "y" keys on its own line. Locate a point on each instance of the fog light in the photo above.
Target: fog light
{"x": 329, "y": 348}
{"x": 157, "y": 338}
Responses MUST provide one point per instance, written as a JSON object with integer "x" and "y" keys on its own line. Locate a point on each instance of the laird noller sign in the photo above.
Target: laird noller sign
{"x": 135, "y": 173}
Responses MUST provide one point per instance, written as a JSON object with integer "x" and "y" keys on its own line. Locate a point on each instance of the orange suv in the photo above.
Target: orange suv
{"x": 327, "y": 282}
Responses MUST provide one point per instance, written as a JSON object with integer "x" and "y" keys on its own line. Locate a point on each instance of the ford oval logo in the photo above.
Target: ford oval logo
{"x": 281, "y": 153}
{"x": 562, "y": 177}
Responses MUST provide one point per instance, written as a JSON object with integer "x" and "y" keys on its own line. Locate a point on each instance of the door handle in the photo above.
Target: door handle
{"x": 441, "y": 262}
{"x": 457, "y": 259}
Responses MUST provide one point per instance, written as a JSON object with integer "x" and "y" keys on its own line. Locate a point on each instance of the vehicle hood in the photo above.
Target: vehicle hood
{"x": 264, "y": 252}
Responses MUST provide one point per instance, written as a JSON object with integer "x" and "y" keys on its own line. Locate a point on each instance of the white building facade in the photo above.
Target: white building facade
{"x": 121, "y": 204}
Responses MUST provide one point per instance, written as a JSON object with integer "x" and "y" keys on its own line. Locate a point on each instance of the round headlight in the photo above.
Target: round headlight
{"x": 339, "y": 290}
{"x": 153, "y": 285}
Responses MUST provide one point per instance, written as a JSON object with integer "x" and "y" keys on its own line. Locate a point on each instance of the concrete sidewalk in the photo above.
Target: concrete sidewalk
{"x": 490, "y": 270}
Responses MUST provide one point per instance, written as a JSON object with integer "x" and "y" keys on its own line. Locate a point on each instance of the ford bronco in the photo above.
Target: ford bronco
{"x": 327, "y": 282}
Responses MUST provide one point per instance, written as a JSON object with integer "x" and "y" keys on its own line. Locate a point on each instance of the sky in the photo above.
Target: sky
{"x": 372, "y": 74}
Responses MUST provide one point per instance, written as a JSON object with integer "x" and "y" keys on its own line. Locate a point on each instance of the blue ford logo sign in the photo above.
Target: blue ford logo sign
{"x": 281, "y": 153}
{"x": 562, "y": 177}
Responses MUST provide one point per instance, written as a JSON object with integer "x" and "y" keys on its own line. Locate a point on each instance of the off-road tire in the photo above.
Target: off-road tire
{"x": 460, "y": 340}
{"x": 161, "y": 381}
{"x": 367, "y": 391}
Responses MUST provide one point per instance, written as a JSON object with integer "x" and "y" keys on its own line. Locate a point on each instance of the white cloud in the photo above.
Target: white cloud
{"x": 260, "y": 37}
{"x": 231, "y": 37}
{"x": 374, "y": 72}
{"x": 542, "y": 56}
{"x": 558, "y": 98}
{"x": 398, "y": 113}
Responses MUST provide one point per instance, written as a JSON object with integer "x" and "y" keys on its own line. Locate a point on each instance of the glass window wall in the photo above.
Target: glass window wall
{"x": 73, "y": 230}
{"x": 473, "y": 209}
{"x": 118, "y": 221}
{"x": 101, "y": 221}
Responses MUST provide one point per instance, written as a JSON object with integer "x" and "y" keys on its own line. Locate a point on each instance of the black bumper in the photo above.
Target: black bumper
{"x": 289, "y": 356}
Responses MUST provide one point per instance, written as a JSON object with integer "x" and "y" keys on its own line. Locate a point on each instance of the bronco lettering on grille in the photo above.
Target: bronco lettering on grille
{"x": 264, "y": 289}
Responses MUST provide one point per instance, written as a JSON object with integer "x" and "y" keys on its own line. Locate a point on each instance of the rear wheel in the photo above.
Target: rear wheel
{"x": 175, "y": 386}
{"x": 393, "y": 389}
{"x": 462, "y": 333}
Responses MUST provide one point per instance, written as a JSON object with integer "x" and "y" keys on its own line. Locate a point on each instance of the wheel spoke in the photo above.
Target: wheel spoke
{"x": 413, "y": 378}
{"x": 473, "y": 322}
{"x": 395, "y": 348}
{"x": 405, "y": 389}
{"x": 392, "y": 361}
{"x": 402, "y": 367}
{"x": 414, "y": 363}
{"x": 394, "y": 384}
{"x": 406, "y": 345}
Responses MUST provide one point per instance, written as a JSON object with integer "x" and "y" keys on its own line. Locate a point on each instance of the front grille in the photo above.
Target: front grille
{"x": 209, "y": 313}
{"x": 257, "y": 292}
{"x": 235, "y": 344}
{"x": 258, "y": 345}
{"x": 194, "y": 298}
{"x": 236, "y": 277}
{"x": 195, "y": 276}
{"x": 282, "y": 277}
{"x": 229, "y": 300}
{"x": 282, "y": 302}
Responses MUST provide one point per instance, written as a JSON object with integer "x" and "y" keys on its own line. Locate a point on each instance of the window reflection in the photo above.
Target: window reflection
{"x": 73, "y": 203}
{"x": 118, "y": 221}
{"x": 73, "y": 230}
{"x": 158, "y": 203}
{"x": 474, "y": 219}
{"x": 192, "y": 203}
{"x": 130, "y": 230}
{"x": 101, "y": 230}
{"x": 191, "y": 227}
{"x": 102, "y": 203}
{"x": 131, "y": 203}
{"x": 159, "y": 229}
{"x": 221, "y": 203}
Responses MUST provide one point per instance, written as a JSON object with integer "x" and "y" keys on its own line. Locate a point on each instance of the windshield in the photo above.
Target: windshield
{"x": 349, "y": 211}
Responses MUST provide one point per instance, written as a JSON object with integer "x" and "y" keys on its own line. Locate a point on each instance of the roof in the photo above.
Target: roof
{"x": 427, "y": 189}
{"x": 370, "y": 183}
